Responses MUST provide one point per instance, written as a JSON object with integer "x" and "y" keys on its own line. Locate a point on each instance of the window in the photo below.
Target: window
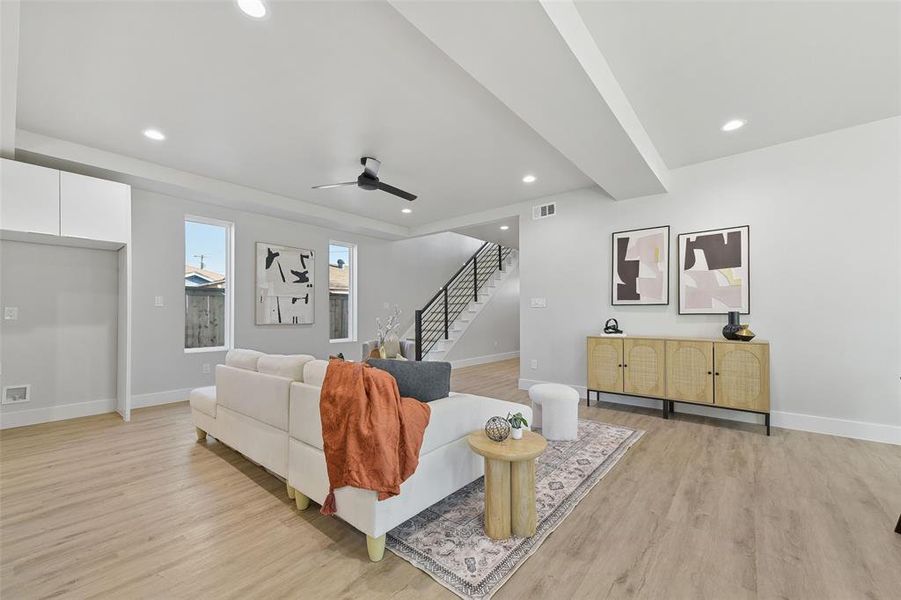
{"x": 208, "y": 284}
{"x": 342, "y": 283}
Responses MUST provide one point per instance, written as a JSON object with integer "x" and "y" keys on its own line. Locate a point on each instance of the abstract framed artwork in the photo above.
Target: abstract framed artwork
{"x": 715, "y": 271}
{"x": 640, "y": 267}
{"x": 284, "y": 285}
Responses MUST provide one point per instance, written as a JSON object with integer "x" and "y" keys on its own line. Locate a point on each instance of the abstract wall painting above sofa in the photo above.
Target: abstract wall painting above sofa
{"x": 640, "y": 266}
{"x": 284, "y": 285}
{"x": 714, "y": 271}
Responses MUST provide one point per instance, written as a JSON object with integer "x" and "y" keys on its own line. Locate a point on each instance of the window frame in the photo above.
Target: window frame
{"x": 229, "y": 326}
{"x": 351, "y": 293}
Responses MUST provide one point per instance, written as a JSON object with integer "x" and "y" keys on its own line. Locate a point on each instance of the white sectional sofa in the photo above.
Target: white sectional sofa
{"x": 285, "y": 436}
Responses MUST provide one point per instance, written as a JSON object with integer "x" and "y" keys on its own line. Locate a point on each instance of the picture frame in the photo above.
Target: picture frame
{"x": 284, "y": 285}
{"x": 714, "y": 271}
{"x": 640, "y": 267}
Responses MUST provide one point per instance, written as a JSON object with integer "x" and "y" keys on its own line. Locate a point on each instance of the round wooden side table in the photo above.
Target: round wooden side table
{"x": 509, "y": 483}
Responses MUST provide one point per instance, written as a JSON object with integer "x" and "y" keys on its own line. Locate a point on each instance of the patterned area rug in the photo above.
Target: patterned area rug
{"x": 448, "y": 542}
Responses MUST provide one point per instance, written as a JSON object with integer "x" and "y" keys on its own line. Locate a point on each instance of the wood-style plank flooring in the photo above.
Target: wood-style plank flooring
{"x": 699, "y": 508}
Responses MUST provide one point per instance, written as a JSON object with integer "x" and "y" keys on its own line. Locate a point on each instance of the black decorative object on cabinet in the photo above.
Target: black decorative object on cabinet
{"x": 732, "y": 326}
{"x": 612, "y": 326}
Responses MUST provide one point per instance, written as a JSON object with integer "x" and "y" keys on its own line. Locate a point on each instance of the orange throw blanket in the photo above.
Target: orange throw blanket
{"x": 371, "y": 436}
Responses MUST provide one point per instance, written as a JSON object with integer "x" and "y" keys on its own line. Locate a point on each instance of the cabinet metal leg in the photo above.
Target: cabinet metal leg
{"x": 766, "y": 418}
{"x": 666, "y": 409}
{"x": 672, "y": 407}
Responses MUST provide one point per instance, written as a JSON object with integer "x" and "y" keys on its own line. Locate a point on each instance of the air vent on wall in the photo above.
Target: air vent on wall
{"x": 13, "y": 394}
{"x": 544, "y": 210}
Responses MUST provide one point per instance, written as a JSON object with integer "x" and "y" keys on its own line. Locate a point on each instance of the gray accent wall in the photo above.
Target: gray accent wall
{"x": 405, "y": 272}
{"x": 65, "y": 338}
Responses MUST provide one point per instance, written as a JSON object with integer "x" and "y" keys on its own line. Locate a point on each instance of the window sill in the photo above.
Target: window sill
{"x": 343, "y": 341}
{"x": 210, "y": 349}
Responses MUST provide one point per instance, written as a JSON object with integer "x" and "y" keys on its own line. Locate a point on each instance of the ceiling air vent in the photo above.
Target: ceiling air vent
{"x": 544, "y": 210}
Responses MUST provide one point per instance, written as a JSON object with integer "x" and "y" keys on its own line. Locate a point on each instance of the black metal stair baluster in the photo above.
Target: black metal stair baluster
{"x": 445, "y": 313}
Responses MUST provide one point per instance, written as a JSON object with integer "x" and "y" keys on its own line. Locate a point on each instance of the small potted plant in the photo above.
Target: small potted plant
{"x": 516, "y": 424}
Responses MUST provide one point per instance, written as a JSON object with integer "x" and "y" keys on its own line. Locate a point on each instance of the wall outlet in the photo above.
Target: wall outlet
{"x": 158, "y": 301}
{"x": 534, "y": 363}
{"x": 14, "y": 394}
{"x": 10, "y": 313}
{"x": 539, "y": 303}
{"x": 205, "y": 368}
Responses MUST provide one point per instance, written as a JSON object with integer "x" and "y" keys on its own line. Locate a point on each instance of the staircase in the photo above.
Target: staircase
{"x": 445, "y": 318}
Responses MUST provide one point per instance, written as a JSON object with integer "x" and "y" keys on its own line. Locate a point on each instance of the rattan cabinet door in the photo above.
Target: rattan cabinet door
{"x": 605, "y": 364}
{"x": 643, "y": 367}
{"x": 742, "y": 376}
{"x": 689, "y": 371}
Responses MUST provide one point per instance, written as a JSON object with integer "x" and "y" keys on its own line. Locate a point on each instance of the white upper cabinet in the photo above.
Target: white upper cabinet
{"x": 94, "y": 209}
{"x": 29, "y": 198}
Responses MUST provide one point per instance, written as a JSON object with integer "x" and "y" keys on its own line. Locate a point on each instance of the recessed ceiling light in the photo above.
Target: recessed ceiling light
{"x": 529, "y": 179}
{"x": 154, "y": 134}
{"x": 734, "y": 124}
{"x": 505, "y": 227}
{"x": 253, "y": 8}
{"x": 406, "y": 211}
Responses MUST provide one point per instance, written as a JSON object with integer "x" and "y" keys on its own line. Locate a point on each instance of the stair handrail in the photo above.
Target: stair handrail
{"x": 458, "y": 293}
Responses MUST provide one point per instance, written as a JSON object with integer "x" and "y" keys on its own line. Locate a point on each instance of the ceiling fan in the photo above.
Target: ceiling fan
{"x": 369, "y": 180}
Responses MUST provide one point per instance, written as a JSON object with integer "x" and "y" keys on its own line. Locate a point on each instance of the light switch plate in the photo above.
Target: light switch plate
{"x": 10, "y": 313}
{"x": 205, "y": 368}
{"x": 539, "y": 303}
{"x": 534, "y": 363}
{"x": 158, "y": 301}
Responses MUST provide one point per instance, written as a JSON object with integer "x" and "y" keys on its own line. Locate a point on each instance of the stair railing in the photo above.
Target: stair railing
{"x": 432, "y": 321}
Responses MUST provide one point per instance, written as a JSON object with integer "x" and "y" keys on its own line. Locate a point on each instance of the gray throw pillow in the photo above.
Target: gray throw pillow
{"x": 425, "y": 381}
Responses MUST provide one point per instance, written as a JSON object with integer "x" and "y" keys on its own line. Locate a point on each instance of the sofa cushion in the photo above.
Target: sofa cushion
{"x": 425, "y": 381}
{"x": 314, "y": 372}
{"x": 204, "y": 400}
{"x": 243, "y": 359}
{"x": 256, "y": 395}
{"x": 289, "y": 366}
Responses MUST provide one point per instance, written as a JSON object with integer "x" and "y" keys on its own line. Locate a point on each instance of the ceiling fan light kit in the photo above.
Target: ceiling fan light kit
{"x": 369, "y": 180}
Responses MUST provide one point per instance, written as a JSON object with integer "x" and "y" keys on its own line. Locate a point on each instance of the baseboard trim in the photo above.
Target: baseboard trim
{"x": 483, "y": 360}
{"x": 60, "y": 412}
{"x": 158, "y": 398}
{"x": 859, "y": 430}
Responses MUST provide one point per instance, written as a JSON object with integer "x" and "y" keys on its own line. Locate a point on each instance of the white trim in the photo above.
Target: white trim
{"x": 60, "y": 412}
{"x": 229, "y": 227}
{"x": 351, "y": 292}
{"x": 482, "y": 360}
{"x": 209, "y": 349}
{"x": 860, "y": 430}
{"x": 158, "y": 398}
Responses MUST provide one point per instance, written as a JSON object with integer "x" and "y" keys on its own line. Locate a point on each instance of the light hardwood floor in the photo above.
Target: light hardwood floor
{"x": 698, "y": 508}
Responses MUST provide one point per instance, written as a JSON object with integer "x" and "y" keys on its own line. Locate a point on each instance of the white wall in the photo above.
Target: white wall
{"x": 405, "y": 272}
{"x": 64, "y": 340}
{"x": 494, "y": 333}
{"x": 825, "y": 269}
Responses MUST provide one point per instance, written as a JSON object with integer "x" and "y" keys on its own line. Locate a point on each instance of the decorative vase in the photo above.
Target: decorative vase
{"x": 391, "y": 345}
{"x": 744, "y": 333}
{"x": 382, "y": 352}
{"x": 497, "y": 429}
{"x": 516, "y": 433}
{"x": 732, "y": 326}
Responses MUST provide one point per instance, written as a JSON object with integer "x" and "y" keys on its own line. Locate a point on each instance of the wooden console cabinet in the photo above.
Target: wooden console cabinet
{"x": 719, "y": 373}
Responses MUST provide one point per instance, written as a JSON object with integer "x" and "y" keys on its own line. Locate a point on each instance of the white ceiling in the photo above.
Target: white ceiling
{"x": 791, "y": 69}
{"x": 491, "y": 231}
{"x": 282, "y": 104}
{"x": 458, "y": 100}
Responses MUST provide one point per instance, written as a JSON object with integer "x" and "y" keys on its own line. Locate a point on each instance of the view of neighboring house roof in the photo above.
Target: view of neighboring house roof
{"x": 197, "y": 277}
{"x": 338, "y": 279}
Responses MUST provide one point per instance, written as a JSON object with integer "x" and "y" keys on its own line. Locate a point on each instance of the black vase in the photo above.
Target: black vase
{"x": 732, "y": 326}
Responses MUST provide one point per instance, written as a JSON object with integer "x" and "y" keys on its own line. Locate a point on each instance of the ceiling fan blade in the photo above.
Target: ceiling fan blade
{"x": 333, "y": 185}
{"x": 397, "y": 192}
{"x": 371, "y": 166}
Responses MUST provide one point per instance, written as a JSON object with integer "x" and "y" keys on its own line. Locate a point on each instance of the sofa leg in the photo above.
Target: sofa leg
{"x": 201, "y": 434}
{"x": 376, "y": 547}
{"x": 301, "y": 501}
{"x": 290, "y": 490}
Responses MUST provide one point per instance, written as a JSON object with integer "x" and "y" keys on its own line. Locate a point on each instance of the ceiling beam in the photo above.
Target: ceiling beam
{"x": 542, "y": 63}
{"x": 60, "y": 154}
{"x": 9, "y": 75}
